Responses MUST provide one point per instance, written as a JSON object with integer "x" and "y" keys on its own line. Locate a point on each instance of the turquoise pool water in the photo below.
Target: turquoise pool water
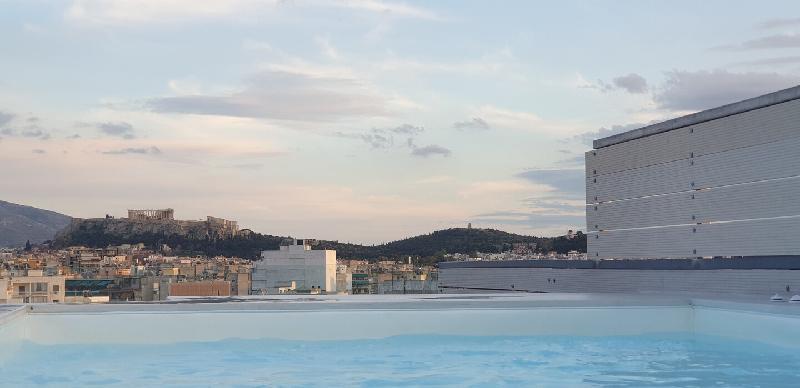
{"x": 624, "y": 361}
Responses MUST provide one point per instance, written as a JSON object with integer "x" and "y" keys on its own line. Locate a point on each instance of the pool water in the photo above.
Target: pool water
{"x": 435, "y": 360}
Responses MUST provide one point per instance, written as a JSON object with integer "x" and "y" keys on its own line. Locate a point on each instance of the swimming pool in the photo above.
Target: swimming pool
{"x": 541, "y": 340}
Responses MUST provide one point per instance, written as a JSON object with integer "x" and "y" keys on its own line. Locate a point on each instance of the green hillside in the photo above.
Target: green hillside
{"x": 98, "y": 233}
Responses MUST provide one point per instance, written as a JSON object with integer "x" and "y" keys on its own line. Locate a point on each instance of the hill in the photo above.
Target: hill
{"x": 184, "y": 237}
{"x": 456, "y": 240}
{"x": 20, "y": 223}
{"x": 102, "y": 232}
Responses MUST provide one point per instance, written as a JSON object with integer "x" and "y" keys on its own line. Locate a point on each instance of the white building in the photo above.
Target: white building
{"x": 295, "y": 268}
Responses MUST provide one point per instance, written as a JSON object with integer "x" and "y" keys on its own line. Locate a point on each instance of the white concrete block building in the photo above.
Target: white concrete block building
{"x": 295, "y": 268}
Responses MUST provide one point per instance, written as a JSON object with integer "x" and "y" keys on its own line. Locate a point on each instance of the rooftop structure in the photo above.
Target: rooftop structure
{"x": 718, "y": 183}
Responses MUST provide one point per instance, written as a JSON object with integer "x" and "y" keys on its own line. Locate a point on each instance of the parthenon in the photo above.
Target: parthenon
{"x": 151, "y": 214}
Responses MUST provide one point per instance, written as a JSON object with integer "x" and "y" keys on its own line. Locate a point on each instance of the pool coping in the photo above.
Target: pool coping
{"x": 412, "y": 302}
{"x": 11, "y": 312}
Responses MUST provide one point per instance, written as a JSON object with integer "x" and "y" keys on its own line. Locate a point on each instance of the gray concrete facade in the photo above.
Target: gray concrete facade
{"x": 719, "y": 183}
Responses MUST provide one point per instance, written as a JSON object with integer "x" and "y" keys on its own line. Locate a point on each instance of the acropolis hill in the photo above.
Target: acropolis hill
{"x": 153, "y": 222}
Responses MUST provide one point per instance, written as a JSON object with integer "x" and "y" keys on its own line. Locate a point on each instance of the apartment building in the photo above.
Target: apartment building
{"x": 33, "y": 288}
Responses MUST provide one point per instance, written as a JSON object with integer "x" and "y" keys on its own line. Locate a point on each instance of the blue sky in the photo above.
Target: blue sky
{"x": 362, "y": 121}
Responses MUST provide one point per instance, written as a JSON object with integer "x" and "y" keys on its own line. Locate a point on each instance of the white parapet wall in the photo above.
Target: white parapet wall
{"x": 353, "y": 317}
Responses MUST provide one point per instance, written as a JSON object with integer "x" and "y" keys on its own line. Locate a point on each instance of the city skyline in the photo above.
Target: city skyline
{"x": 357, "y": 121}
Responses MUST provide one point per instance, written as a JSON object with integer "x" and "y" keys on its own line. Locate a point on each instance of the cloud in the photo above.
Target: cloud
{"x": 693, "y": 91}
{"x": 502, "y": 187}
{"x": 247, "y": 166}
{"x": 39, "y": 151}
{"x": 556, "y": 205}
{"x": 789, "y": 60}
{"x": 430, "y": 150}
{"x": 132, "y": 12}
{"x": 575, "y": 161}
{"x": 522, "y": 121}
{"x": 476, "y": 124}
{"x": 385, "y": 137}
{"x": 775, "y": 23}
{"x": 554, "y": 200}
{"x": 407, "y": 129}
{"x": 285, "y": 95}
{"x": 546, "y": 208}
{"x": 378, "y": 139}
{"x": 569, "y": 182}
{"x": 135, "y": 151}
{"x": 35, "y": 132}
{"x": 161, "y": 11}
{"x": 256, "y": 45}
{"x": 589, "y": 137}
{"x": 6, "y": 118}
{"x": 324, "y": 43}
{"x": 434, "y": 179}
{"x": 387, "y": 8}
{"x": 632, "y": 83}
{"x": 30, "y": 129}
{"x": 532, "y": 219}
{"x": 119, "y": 129}
{"x": 33, "y": 28}
{"x": 777, "y": 41}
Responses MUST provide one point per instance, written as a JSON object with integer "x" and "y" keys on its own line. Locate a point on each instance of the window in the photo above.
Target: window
{"x": 21, "y": 289}
{"x": 56, "y": 288}
{"x": 40, "y": 287}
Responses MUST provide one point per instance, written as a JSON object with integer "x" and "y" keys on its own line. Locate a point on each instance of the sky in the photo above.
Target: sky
{"x": 358, "y": 121}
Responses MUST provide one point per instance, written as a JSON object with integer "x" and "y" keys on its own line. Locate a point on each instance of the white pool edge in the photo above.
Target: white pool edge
{"x": 586, "y": 315}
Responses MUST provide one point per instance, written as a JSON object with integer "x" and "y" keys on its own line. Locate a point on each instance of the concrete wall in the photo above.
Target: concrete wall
{"x": 760, "y": 282}
{"x": 204, "y": 288}
{"x": 719, "y": 187}
{"x": 408, "y": 287}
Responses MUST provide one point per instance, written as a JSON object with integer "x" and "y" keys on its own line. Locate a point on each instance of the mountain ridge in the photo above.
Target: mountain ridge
{"x": 22, "y": 223}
